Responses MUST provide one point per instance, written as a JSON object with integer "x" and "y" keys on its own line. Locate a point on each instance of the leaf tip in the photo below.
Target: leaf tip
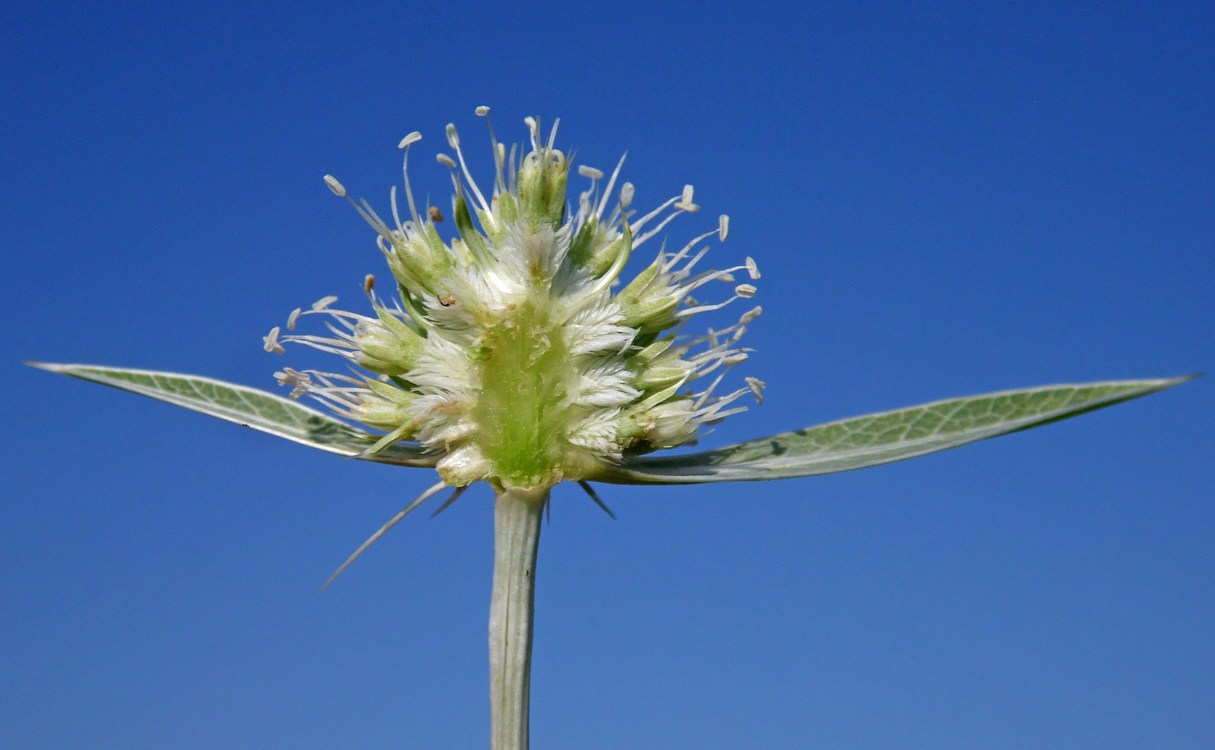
{"x": 1170, "y": 382}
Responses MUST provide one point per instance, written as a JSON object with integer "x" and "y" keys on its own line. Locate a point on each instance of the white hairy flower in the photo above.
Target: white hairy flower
{"x": 514, "y": 351}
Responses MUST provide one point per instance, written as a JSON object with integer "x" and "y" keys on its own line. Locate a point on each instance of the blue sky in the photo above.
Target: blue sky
{"x": 944, "y": 201}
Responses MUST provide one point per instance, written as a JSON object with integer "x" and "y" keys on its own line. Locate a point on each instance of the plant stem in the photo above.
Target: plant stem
{"x": 517, "y": 516}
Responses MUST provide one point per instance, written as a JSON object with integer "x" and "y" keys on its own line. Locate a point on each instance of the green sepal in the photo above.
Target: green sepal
{"x": 507, "y": 207}
{"x": 468, "y": 231}
{"x": 583, "y": 243}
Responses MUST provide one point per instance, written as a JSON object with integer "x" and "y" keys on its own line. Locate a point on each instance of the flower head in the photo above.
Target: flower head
{"x": 513, "y": 349}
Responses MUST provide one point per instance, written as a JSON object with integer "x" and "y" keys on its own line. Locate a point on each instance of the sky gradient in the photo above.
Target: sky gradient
{"x": 943, "y": 202}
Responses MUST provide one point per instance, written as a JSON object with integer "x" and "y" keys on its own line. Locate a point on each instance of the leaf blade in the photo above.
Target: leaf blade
{"x": 884, "y": 437}
{"x": 250, "y": 407}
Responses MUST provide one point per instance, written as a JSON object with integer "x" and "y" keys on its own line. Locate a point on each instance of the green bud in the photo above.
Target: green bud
{"x": 542, "y": 179}
{"x": 645, "y": 428}
{"x": 383, "y": 405}
{"x": 648, "y": 302}
{"x": 389, "y": 347}
{"x": 595, "y": 251}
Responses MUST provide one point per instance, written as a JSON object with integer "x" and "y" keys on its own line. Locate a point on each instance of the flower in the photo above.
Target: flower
{"x": 514, "y": 355}
{"x": 513, "y": 352}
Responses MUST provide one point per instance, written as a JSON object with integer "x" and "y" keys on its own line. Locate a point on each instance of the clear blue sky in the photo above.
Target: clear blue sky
{"x": 944, "y": 201}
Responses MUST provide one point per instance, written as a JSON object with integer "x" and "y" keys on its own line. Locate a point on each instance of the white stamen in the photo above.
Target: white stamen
{"x": 626, "y": 194}
{"x": 752, "y": 268}
{"x": 638, "y": 241}
{"x": 413, "y": 137}
{"x": 445, "y": 160}
{"x": 708, "y": 392}
{"x": 674, "y": 260}
{"x": 687, "y": 195}
{"x": 607, "y": 191}
{"x": 703, "y": 308}
{"x": 482, "y": 111}
{"x": 750, "y": 315}
{"x": 746, "y": 291}
{"x": 735, "y": 359}
{"x": 338, "y": 189}
{"x": 636, "y": 225}
{"x": 299, "y": 381}
{"x": 723, "y": 227}
{"x": 270, "y": 342}
{"x": 534, "y": 127}
{"x": 324, "y": 302}
{"x": 453, "y": 138}
{"x": 757, "y": 388}
{"x": 591, "y": 172}
{"x": 292, "y": 318}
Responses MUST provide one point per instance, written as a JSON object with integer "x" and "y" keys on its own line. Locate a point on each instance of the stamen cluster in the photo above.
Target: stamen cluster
{"x": 511, "y": 349}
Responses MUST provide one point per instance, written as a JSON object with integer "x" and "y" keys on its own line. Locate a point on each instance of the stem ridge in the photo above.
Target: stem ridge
{"x": 517, "y": 518}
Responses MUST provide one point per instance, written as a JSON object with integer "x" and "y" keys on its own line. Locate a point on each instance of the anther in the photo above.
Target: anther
{"x": 434, "y": 214}
{"x": 752, "y": 268}
{"x": 368, "y": 283}
{"x": 338, "y": 189}
{"x": 299, "y": 381}
{"x": 292, "y": 318}
{"x": 270, "y": 342}
{"x": 591, "y": 172}
{"x": 324, "y": 302}
{"x": 750, "y": 315}
{"x": 746, "y": 291}
{"x": 482, "y": 111}
{"x": 723, "y": 227}
{"x": 413, "y": 137}
{"x": 445, "y": 160}
{"x": 757, "y": 388}
{"x": 626, "y": 194}
{"x": 453, "y": 138}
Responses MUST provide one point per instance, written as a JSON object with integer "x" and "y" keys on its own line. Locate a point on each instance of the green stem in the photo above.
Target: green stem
{"x": 517, "y": 516}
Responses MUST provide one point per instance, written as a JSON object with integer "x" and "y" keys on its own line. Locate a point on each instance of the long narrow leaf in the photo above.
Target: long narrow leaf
{"x": 250, "y": 407}
{"x": 885, "y": 437}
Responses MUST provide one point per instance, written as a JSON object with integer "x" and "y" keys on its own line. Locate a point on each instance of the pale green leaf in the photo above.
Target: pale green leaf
{"x": 882, "y": 438}
{"x": 250, "y": 407}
